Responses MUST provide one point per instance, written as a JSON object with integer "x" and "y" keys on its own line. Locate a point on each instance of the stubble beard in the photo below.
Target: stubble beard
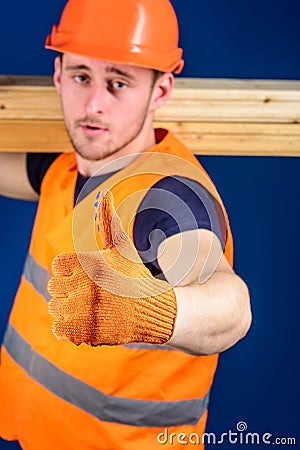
{"x": 110, "y": 148}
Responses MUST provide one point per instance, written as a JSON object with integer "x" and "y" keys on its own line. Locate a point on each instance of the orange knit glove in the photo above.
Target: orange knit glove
{"x": 109, "y": 297}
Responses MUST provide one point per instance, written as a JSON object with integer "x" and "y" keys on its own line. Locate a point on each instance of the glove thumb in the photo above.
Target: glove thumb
{"x": 110, "y": 228}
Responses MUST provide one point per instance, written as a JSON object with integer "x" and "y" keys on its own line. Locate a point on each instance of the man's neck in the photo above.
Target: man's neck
{"x": 115, "y": 161}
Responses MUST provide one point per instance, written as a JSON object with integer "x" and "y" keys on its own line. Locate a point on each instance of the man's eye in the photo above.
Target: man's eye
{"x": 118, "y": 85}
{"x": 80, "y": 79}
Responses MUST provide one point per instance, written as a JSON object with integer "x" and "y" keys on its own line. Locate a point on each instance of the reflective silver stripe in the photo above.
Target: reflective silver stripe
{"x": 139, "y": 413}
{"x": 143, "y": 346}
{"x": 37, "y": 276}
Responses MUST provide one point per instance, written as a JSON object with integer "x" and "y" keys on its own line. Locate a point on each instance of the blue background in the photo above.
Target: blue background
{"x": 257, "y": 380}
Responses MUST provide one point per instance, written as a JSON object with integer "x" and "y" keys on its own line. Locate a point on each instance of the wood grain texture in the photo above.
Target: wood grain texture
{"x": 217, "y": 117}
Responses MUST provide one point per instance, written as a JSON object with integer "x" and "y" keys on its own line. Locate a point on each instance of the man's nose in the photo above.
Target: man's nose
{"x": 98, "y": 100}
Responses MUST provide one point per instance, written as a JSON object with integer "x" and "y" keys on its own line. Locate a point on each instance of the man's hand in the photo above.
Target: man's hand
{"x": 109, "y": 297}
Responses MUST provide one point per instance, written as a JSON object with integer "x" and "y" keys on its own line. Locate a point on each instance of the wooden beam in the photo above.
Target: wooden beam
{"x": 220, "y": 117}
{"x": 203, "y": 138}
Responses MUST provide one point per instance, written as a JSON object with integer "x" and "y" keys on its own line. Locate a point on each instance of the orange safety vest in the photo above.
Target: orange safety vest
{"x": 55, "y": 395}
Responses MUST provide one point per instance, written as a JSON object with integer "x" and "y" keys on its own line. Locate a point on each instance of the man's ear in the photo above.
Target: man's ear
{"x": 161, "y": 91}
{"x": 57, "y": 73}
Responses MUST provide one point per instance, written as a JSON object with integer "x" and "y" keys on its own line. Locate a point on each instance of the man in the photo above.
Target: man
{"x": 136, "y": 241}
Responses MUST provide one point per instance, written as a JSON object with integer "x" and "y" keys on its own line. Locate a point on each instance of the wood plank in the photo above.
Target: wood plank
{"x": 230, "y": 117}
{"x": 33, "y": 136}
{"x": 25, "y": 80}
{"x": 272, "y": 106}
{"x": 204, "y": 138}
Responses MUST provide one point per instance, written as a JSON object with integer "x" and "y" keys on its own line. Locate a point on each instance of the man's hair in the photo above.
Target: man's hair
{"x": 156, "y": 75}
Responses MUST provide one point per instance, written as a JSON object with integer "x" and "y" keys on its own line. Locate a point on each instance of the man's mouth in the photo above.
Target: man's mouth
{"x": 92, "y": 130}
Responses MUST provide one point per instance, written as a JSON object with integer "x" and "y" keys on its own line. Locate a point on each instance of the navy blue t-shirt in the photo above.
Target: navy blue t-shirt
{"x": 173, "y": 205}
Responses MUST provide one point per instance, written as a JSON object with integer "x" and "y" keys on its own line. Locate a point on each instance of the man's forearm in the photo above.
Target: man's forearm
{"x": 211, "y": 316}
{"x": 14, "y": 180}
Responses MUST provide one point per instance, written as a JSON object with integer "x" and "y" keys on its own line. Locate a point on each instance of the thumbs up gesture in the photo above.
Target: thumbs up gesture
{"x": 109, "y": 297}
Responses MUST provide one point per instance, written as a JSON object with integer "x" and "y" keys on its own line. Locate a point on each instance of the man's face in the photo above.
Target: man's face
{"x": 107, "y": 107}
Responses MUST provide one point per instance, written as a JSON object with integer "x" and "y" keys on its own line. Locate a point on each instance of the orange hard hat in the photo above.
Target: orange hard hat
{"x": 143, "y": 33}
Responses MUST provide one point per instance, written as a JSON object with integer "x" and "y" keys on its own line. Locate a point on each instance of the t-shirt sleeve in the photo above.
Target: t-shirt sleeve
{"x": 37, "y": 166}
{"x": 174, "y": 205}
